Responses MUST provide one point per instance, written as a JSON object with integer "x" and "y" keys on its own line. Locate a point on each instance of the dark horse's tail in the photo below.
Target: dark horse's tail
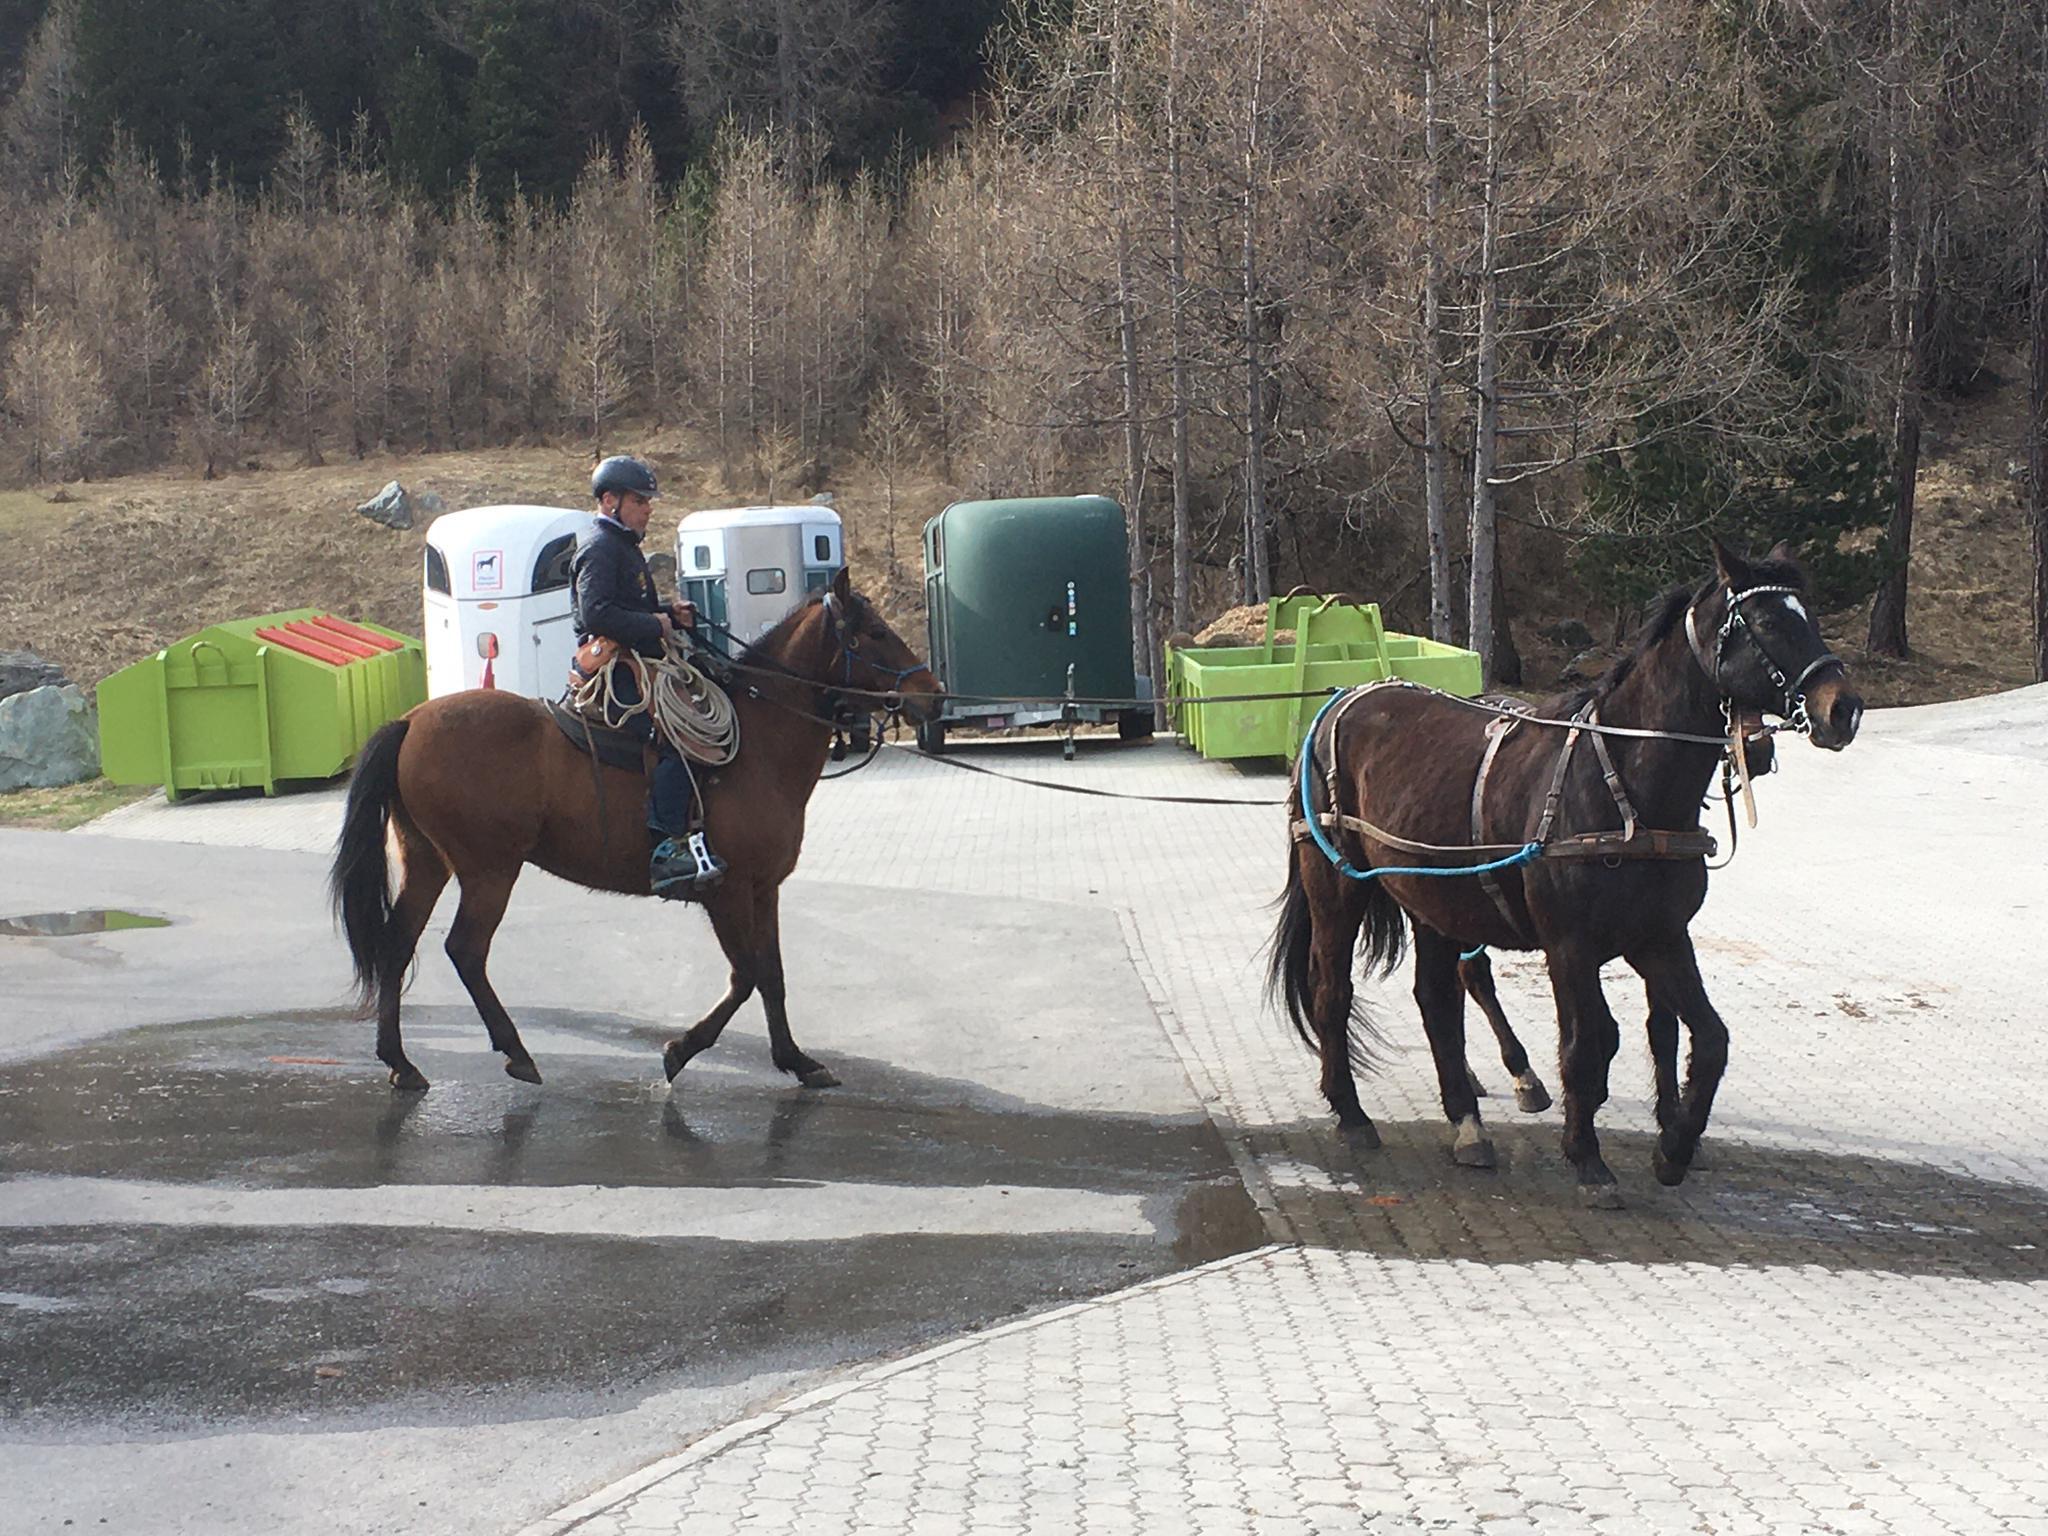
{"x": 360, "y": 883}
{"x": 1383, "y": 938}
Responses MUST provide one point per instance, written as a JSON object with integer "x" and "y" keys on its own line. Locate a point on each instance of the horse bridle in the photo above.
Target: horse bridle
{"x": 1791, "y": 692}
{"x": 849, "y": 650}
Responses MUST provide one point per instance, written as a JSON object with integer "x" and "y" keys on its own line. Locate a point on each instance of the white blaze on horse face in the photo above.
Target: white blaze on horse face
{"x": 1796, "y": 606}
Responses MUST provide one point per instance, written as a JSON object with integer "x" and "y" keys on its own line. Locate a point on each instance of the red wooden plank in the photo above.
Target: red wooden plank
{"x": 303, "y": 646}
{"x": 356, "y": 632}
{"x": 336, "y": 642}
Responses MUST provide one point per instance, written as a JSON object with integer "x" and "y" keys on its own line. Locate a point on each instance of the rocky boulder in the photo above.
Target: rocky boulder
{"x": 23, "y": 670}
{"x": 392, "y": 506}
{"x": 48, "y": 736}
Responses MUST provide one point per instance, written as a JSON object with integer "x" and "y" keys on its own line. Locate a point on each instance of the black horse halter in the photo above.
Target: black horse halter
{"x": 1792, "y": 691}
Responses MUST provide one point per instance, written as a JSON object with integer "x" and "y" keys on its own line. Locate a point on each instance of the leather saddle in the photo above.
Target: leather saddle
{"x": 613, "y": 748}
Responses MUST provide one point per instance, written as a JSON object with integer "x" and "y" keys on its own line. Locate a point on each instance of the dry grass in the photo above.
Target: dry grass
{"x": 124, "y": 567}
{"x": 72, "y": 805}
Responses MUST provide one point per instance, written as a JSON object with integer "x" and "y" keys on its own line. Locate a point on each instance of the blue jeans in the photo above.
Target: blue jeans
{"x": 671, "y": 791}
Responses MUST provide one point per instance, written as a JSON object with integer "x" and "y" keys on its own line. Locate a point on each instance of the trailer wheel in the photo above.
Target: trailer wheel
{"x": 1134, "y": 725}
{"x": 931, "y": 736}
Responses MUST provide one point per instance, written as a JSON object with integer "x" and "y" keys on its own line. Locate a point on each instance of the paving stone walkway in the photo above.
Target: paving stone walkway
{"x": 1837, "y": 1326}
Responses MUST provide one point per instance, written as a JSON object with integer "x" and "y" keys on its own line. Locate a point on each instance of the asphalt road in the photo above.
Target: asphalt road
{"x": 245, "y": 1287}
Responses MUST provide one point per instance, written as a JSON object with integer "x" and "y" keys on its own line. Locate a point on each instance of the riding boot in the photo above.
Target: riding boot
{"x": 683, "y": 867}
{"x": 682, "y": 864}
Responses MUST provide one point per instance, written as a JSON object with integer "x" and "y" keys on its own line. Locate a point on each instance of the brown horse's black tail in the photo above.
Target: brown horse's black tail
{"x": 360, "y": 882}
{"x": 1383, "y": 938}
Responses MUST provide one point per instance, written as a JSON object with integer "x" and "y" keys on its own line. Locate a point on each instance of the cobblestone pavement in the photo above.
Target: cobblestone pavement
{"x": 1835, "y": 1326}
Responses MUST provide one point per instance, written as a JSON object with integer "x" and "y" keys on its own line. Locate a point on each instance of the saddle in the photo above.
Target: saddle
{"x": 614, "y": 748}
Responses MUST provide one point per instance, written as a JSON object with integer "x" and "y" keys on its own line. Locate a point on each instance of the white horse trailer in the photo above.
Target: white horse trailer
{"x": 745, "y": 568}
{"x": 497, "y": 599}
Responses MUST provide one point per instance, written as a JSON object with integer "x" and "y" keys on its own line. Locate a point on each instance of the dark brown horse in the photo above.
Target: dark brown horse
{"x": 478, "y": 785}
{"x": 1621, "y": 868}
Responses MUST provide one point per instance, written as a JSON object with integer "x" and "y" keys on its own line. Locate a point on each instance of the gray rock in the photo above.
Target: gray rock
{"x": 429, "y": 504}
{"x": 391, "y": 506}
{"x": 824, "y": 499}
{"x": 1567, "y": 634}
{"x": 48, "y": 736}
{"x": 23, "y": 670}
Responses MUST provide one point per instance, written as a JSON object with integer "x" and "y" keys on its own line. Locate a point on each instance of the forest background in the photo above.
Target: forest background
{"x": 1492, "y": 310}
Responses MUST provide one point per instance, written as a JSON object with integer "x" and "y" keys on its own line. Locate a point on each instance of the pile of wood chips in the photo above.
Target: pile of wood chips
{"x": 1241, "y": 626}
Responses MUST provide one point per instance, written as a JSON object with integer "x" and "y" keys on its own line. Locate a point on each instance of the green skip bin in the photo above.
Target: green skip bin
{"x": 252, "y": 702}
{"x": 1337, "y": 644}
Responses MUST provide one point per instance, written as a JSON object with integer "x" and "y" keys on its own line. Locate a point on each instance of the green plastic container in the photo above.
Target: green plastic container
{"x": 1336, "y": 645}
{"x": 253, "y": 702}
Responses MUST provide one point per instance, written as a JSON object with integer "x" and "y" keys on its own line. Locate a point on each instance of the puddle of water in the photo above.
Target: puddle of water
{"x": 61, "y": 925}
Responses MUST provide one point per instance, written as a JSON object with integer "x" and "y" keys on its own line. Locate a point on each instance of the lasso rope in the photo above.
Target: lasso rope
{"x": 688, "y": 708}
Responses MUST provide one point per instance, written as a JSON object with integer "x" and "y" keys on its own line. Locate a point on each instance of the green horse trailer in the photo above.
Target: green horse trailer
{"x": 1028, "y": 606}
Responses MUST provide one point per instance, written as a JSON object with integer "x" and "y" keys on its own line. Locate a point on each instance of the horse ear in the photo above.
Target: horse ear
{"x": 1782, "y": 552}
{"x": 842, "y": 588}
{"x": 1733, "y": 568}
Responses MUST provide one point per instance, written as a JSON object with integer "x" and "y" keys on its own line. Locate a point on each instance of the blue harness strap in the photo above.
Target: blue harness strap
{"x": 1524, "y": 855}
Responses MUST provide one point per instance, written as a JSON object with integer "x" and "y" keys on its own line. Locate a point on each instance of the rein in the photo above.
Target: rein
{"x": 1633, "y": 841}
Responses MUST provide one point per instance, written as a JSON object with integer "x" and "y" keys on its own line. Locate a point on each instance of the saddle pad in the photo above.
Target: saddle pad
{"x": 615, "y": 749}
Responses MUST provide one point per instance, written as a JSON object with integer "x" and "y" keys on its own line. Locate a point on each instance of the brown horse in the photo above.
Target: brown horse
{"x": 480, "y": 784}
{"x": 1418, "y": 777}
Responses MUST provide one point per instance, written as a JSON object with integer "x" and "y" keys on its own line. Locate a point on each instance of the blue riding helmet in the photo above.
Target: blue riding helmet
{"x": 623, "y": 472}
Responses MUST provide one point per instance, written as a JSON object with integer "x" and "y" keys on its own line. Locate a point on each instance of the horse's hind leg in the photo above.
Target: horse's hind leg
{"x": 1442, "y": 1001}
{"x": 422, "y": 877}
{"x": 1337, "y": 909}
{"x": 1673, "y": 975}
{"x": 1531, "y": 1097}
{"x": 484, "y": 895}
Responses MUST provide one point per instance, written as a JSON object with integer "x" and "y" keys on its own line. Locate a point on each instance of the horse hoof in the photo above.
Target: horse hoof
{"x": 1364, "y": 1134}
{"x": 525, "y": 1071}
{"x": 1668, "y": 1173}
{"x": 1600, "y": 1197}
{"x": 1474, "y": 1148}
{"x": 818, "y": 1077}
{"x": 1531, "y": 1097}
{"x": 409, "y": 1079}
{"x": 673, "y": 1059}
{"x": 1474, "y": 1154}
{"x": 1478, "y": 1088}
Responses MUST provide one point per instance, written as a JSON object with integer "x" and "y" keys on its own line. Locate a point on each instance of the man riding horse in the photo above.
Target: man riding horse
{"x": 615, "y": 600}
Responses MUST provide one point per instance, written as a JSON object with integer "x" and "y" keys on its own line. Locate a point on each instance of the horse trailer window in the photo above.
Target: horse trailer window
{"x": 767, "y": 580}
{"x": 700, "y": 556}
{"x": 823, "y": 544}
{"x": 817, "y": 581}
{"x": 551, "y": 569}
{"x": 437, "y": 571}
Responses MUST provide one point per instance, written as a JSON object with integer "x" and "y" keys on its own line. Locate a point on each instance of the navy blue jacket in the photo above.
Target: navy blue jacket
{"x": 614, "y": 590}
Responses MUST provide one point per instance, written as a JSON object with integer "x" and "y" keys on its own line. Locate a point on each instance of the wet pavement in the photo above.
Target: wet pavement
{"x": 491, "y": 1306}
{"x": 215, "y": 1231}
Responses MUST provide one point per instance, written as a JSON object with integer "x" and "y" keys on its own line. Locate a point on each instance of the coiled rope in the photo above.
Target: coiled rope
{"x": 690, "y": 710}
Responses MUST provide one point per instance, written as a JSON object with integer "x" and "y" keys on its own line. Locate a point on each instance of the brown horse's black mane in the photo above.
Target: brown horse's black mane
{"x": 1664, "y": 619}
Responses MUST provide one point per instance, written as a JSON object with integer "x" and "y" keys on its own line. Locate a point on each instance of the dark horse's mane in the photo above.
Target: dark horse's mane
{"x": 1665, "y": 618}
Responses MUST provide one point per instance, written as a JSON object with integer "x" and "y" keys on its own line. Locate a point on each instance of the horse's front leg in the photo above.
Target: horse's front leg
{"x": 1588, "y": 1037}
{"x": 768, "y": 977}
{"x": 731, "y": 909}
{"x": 1673, "y": 975}
{"x": 1476, "y": 975}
